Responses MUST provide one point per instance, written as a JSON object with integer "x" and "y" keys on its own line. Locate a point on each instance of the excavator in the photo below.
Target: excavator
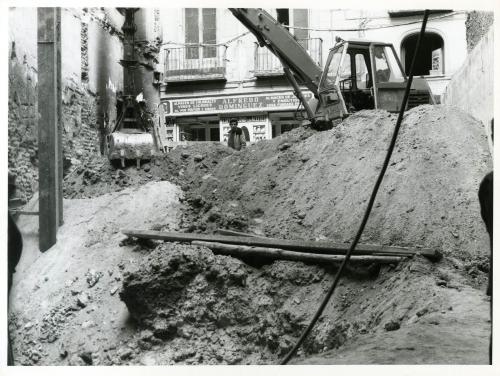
{"x": 358, "y": 74}
{"x": 131, "y": 138}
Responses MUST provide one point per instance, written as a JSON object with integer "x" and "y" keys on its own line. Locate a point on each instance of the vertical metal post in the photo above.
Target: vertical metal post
{"x": 48, "y": 127}
{"x": 59, "y": 119}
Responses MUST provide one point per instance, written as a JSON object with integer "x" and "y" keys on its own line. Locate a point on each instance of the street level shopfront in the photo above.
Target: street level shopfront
{"x": 264, "y": 115}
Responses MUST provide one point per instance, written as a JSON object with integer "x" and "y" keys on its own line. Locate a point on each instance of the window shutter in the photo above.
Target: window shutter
{"x": 301, "y": 19}
{"x": 209, "y": 31}
{"x": 192, "y": 34}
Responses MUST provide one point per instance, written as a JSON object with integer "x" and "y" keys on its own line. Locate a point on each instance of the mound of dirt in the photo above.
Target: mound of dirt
{"x": 182, "y": 293}
{"x": 189, "y": 306}
{"x": 202, "y": 308}
{"x": 308, "y": 185}
{"x": 182, "y": 166}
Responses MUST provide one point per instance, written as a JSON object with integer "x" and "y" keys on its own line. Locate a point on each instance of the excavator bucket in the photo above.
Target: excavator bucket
{"x": 131, "y": 144}
{"x": 131, "y": 138}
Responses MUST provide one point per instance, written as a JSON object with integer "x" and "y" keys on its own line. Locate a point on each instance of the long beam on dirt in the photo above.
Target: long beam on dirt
{"x": 319, "y": 247}
{"x": 281, "y": 254}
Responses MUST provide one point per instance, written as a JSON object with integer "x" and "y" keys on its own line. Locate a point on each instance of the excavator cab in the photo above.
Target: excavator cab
{"x": 366, "y": 75}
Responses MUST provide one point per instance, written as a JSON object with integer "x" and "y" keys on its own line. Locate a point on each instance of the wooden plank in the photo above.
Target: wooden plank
{"x": 47, "y": 128}
{"x": 280, "y": 254}
{"x": 321, "y": 247}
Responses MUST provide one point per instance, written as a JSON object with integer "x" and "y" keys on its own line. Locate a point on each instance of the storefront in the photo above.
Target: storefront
{"x": 264, "y": 115}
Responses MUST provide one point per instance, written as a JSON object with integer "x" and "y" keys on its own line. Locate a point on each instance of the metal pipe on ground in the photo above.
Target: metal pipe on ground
{"x": 281, "y": 254}
{"x": 317, "y": 247}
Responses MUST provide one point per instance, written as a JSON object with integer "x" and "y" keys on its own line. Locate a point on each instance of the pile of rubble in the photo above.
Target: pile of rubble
{"x": 189, "y": 306}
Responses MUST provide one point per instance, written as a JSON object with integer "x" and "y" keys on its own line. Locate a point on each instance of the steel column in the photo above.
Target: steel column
{"x": 49, "y": 131}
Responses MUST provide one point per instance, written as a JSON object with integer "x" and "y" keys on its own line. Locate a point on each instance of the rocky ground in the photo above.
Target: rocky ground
{"x": 99, "y": 298}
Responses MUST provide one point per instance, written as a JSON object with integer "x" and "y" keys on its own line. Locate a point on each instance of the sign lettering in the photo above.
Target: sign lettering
{"x": 194, "y": 106}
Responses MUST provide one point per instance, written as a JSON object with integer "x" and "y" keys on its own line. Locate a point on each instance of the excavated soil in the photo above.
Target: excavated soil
{"x": 171, "y": 303}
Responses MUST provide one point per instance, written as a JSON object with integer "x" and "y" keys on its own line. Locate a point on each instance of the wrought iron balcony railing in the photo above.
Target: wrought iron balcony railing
{"x": 195, "y": 63}
{"x": 267, "y": 64}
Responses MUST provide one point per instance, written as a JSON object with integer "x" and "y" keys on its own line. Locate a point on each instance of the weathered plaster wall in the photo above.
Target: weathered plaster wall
{"x": 471, "y": 88}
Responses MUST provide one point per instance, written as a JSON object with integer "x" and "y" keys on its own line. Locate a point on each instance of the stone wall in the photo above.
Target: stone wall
{"x": 477, "y": 25}
{"x": 22, "y": 130}
{"x": 83, "y": 100}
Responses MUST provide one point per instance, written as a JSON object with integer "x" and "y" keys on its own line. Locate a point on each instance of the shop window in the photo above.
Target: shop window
{"x": 214, "y": 134}
{"x": 198, "y": 134}
{"x": 200, "y": 27}
{"x": 431, "y": 59}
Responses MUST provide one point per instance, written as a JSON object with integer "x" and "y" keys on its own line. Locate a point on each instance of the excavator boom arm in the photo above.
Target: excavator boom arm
{"x": 278, "y": 39}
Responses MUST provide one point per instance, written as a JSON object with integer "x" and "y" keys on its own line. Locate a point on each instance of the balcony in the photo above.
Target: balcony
{"x": 268, "y": 65}
{"x": 197, "y": 63}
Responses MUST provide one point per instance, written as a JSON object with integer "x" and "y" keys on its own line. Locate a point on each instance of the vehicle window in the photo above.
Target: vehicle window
{"x": 386, "y": 67}
{"x": 345, "y": 73}
{"x": 330, "y": 77}
{"x": 361, "y": 72}
{"x": 382, "y": 70}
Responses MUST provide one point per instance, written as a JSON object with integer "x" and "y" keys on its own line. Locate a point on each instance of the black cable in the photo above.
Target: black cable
{"x": 390, "y": 150}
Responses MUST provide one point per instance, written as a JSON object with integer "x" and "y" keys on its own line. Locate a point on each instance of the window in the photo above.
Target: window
{"x": 298, "y": 18}
{"x": 333, "y": 65}
{"x": 386, "y": 66}
{"x": 198, "y": 134}
{"x": 214, "y": 134}
{"x": 361, "y": 72}
{"x": 200, "y": 27}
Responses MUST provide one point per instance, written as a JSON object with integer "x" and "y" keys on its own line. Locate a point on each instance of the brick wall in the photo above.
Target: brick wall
{"x": 22, "y": 130}
{"x": 80, "y": 133}
{"x": 83, "y": 101}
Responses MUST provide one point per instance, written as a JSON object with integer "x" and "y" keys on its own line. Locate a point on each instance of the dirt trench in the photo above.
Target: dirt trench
{"x": 172, "y": 303}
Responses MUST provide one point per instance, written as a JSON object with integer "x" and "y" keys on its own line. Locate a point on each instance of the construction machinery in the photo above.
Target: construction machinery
{"x": 358, "y": 74}
{"x": 130, "y": 139}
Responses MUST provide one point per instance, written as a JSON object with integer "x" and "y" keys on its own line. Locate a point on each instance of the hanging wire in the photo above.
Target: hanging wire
{"x": 376, "y": 27}
{"x": 369, "y": 207}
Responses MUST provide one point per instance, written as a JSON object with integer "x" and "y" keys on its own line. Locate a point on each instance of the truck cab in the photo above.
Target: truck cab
{"x": 366, "y": 75}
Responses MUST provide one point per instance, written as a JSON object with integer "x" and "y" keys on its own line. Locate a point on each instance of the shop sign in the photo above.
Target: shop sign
{"x": 233, "y": 104}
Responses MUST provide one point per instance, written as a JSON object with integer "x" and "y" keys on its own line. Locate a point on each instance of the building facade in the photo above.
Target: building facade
{"x": 213, "y": 68}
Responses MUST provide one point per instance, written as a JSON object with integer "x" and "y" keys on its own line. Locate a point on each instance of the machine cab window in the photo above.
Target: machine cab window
{"x": 386, "y": 67}
{"x": 357, "y": 72}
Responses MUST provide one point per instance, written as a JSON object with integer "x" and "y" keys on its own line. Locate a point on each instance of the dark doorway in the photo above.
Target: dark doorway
{"x": 431, "y": 55}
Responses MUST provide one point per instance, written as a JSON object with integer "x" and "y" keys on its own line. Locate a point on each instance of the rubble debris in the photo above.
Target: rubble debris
{"x": 114, "y": 290}
{"x": 86, "y": 356}
{"x": 82, "y": 300}
{"x": 392, "y": 325}
{"x": 93, "y": 277}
